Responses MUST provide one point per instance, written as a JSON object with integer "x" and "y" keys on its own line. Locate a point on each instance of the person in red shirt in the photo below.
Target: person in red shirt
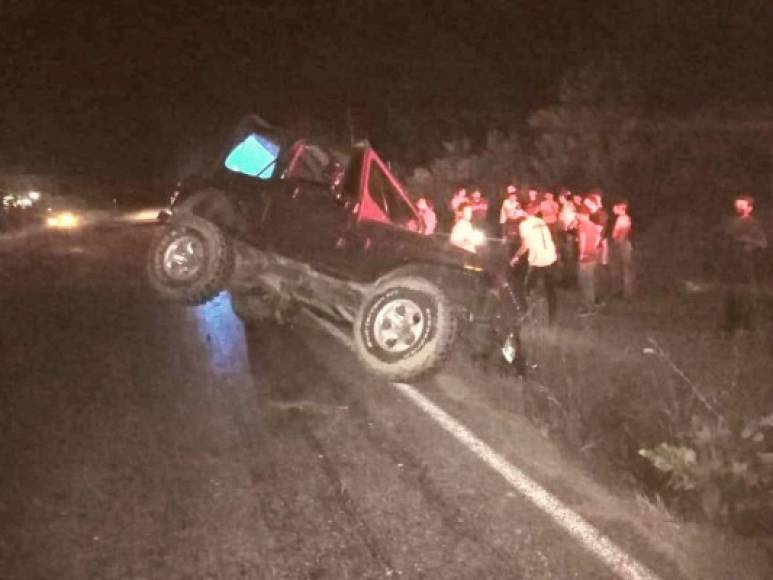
{"x": 600, "y": 217}
{"x": 549, "y": 209}
{"x": 588, "y": 242}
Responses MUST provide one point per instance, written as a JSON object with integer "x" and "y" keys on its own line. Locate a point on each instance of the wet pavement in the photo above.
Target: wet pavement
{"x": 142, "y": 439}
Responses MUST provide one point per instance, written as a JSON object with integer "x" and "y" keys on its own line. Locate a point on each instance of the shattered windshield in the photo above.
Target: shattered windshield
{"x": 255, "y": 156}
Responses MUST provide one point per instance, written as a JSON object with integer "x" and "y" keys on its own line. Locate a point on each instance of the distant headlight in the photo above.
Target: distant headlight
{"x": 63, "y": 220}
{"x": 145, "y": 215}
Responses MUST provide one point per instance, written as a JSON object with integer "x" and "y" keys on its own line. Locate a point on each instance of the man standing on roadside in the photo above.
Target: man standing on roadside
{"x": 600, "y": 217}
{"x": 621, "y": 251}
{"x": 549, "y": 210}
{"x": 538, "y": 243}
{"x": 479, "y": 209}
{"x": 588, "y": 240}
{"x": 510, "y": 213}
{"x": 745, "y": 245}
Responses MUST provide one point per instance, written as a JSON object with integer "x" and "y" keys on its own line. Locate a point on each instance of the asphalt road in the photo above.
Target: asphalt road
{"x": 142, "y": 440}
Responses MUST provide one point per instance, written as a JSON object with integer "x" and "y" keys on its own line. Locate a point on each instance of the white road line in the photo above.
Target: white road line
{"x": 614, "y": 557}
{"x": 621, "y": 563}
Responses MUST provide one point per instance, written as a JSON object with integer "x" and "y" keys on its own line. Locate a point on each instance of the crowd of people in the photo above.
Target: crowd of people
{"x": 549, "y": 241}
{"x": 573, "y": 239}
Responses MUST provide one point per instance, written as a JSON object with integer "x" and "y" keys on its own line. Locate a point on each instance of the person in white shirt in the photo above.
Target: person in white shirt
{"x": 511, "y": 212}
{"x": 542, "y": 256}
{"x": 463, "y": 234}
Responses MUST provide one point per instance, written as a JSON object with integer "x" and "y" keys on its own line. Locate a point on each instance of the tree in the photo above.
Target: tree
{"x": 591, "y": 136}
{"x": 498, "y": 162}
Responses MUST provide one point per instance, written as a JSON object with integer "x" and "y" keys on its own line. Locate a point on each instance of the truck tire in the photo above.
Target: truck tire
{"x": 405, "y": 328}
{"x": 190, "y": 260}
{"x": 251, "y": 308}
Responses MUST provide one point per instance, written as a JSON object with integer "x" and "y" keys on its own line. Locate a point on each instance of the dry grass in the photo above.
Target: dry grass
{"x": 634, "y": 375}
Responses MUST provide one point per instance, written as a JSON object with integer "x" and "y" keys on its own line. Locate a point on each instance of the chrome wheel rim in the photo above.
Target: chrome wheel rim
{"x": 184, "y": 257}
{"x": 399, "y": 325}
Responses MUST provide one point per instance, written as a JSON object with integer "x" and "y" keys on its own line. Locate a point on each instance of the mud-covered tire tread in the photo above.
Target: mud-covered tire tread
{"x": 440, "y": 346}
{"x": 217, "y": 272}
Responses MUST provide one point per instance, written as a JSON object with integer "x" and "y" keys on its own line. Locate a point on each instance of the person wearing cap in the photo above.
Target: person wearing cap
{"x": 537, "y": 242}
{"x": 745, "y": 243}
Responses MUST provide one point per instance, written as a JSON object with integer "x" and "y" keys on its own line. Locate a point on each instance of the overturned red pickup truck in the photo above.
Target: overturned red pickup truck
{"x": 284, "y": 223}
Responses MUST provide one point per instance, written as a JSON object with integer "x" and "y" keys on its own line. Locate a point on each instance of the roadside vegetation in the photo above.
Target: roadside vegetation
{"x": 654, "y": 392}
{"x": 650, "y": 388}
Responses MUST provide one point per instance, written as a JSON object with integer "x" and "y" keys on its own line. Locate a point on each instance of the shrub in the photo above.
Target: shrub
{"x": 726, "y": 470}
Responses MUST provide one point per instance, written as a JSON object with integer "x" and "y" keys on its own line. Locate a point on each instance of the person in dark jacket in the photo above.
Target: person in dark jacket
{"x": 745, "y": 243}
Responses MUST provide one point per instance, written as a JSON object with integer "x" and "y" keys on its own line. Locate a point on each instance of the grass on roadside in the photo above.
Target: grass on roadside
{"x": 653, "y": 390}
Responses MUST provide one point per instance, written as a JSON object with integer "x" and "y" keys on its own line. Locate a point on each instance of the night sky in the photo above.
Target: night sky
{"x": 115, "y": 87}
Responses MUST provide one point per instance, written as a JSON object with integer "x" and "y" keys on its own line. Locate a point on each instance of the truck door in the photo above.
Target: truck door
{"x": 385, "y": 219}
